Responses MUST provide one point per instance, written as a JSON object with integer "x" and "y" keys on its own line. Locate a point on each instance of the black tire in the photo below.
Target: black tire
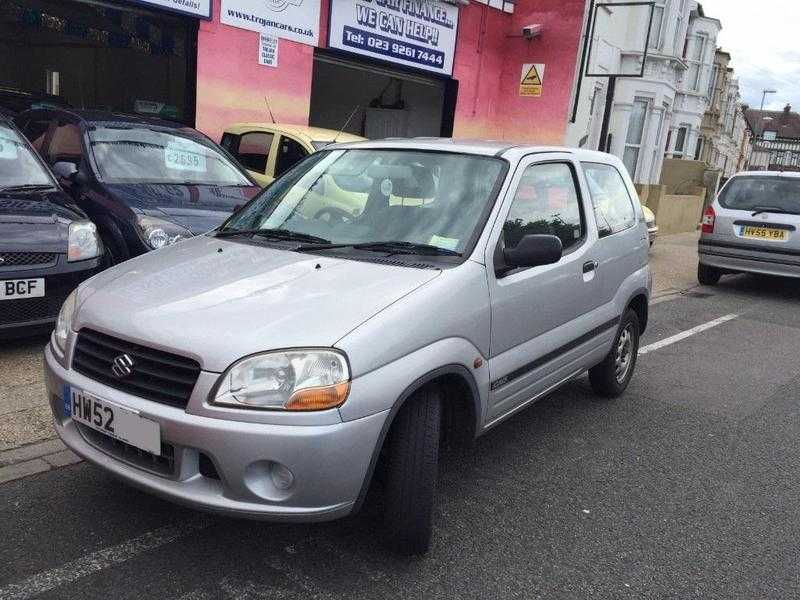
{"x": 412, "y": 465}
{"x": 604, "y": 377}
{"x": 708, "y": 275}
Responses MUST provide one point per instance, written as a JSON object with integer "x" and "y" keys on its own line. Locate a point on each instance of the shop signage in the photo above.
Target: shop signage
{"x": 415, "y": 33}
{"x": 268, "y": 51}
{"x": 195, "y": 8}
{"x": 296, "y": 20}
{"x": 531, "y": 82}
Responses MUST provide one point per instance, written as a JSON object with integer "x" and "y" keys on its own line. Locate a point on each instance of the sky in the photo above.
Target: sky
{"x": 762, "y": 37}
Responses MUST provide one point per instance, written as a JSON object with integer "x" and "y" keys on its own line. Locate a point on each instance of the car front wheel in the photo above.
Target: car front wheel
{"x": 413, "y": 460}
{"x": 611, "y": 377}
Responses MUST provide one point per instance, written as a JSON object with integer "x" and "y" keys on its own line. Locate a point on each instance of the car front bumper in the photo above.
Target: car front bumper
{"x": 329, "y": 462}
{"x": 740, "y": 258}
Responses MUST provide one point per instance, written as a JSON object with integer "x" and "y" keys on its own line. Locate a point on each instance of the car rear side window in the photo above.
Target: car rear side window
{"x": 253, "y": 150}
{"x": 290, "y": 153}
{"x": 65, "y": 144}
{"x": 546, "y": 202}
{"x": 613, "y": 205}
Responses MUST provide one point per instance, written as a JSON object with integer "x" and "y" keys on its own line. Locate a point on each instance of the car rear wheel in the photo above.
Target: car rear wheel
{"x": 413, "y": 460}
{"x": 611, "y": 377}
{"x": 708, "y": 275}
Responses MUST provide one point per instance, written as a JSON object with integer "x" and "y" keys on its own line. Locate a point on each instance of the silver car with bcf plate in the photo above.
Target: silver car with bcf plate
{"x": 377, "y": 298}
{"x": 752, "y": 227}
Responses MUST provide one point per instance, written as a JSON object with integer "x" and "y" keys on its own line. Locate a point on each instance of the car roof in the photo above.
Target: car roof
{"x": 311, "y": 134}
{"x": 788, "y": 174}
{"x": 105, "y": 116}
{"x": 505, "y": 149}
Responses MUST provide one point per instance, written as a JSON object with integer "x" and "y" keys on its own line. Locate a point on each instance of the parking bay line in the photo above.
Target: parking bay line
{"x": 685, "y": 334}
{"x": 101, "y": 559}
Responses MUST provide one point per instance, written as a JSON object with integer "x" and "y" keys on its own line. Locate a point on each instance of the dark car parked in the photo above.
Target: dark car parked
{"x": 14, "y": 101}
{"x": 145, "y": 182}
{"x": 47, "y": 244}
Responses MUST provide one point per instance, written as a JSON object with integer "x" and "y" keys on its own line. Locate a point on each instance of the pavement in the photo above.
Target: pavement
{"x": 687, "y": 487}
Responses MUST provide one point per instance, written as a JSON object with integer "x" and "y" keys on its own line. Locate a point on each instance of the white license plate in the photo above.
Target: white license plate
{"x": 112, "y": 420}
{"x": 17, "y": 289}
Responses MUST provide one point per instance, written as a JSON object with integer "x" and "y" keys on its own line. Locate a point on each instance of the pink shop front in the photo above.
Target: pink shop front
{"x": 375, "y": 67}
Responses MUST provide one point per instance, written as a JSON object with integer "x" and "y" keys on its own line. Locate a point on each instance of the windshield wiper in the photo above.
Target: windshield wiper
{"x": 275, "y": 234}
{"x": 770, "y": 209}
{"x": 29, "y": 187}
{"x": 392, "y": 247}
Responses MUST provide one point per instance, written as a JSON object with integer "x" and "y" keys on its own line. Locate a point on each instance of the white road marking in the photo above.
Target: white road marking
{"x": 102, "y": 559}
{"x": 685, "y": 334}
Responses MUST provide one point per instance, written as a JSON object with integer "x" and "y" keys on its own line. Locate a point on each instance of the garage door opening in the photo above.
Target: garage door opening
{"x": 102, "y": 55}
{"x": 387, "y": 102}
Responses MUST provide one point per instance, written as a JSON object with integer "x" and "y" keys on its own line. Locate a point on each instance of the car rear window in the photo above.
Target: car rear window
{"x": 762, "y": 192}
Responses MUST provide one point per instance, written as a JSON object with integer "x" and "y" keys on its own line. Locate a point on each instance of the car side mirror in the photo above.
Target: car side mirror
{"x": 534, "y": 251}
{"x": 65, "y": 170}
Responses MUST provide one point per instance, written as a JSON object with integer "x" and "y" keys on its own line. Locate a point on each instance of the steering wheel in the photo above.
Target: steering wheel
{"x": 334, "y": 214}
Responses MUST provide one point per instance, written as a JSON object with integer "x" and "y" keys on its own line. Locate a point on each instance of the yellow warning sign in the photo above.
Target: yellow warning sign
{"x": 532, "y": 81}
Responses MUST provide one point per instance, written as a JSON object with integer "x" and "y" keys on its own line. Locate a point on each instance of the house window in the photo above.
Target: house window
{"x": 770, "y": 136}
{"x": 633, "y": 143}
{"x": 697, "y": 51}
{"x": 656, "y": 40}
{"x": 698, "y": 152}
{"x": 679, "y": 33}
{"x": 712, "y": 83}
{"x": 680, "y": 142}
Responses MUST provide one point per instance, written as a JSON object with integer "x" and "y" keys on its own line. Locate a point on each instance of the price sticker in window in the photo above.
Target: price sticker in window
{"x": 8, "y": 149}
{"x": 182, "y": 157}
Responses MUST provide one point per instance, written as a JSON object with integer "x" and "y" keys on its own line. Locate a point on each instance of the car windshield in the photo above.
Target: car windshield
{"x": 366, "y": 196}
{"x": 144, "y": 155}
{"x": 779, "y": 194}
{"x": 18, "y": 164}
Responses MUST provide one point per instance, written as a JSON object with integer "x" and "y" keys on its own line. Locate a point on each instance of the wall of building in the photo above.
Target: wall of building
{"x": 490, "y": 52}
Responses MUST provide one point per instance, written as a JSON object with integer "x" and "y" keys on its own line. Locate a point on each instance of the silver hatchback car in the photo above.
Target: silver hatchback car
{"x": 752, "y": 227}
{"x": 376, "y": 299}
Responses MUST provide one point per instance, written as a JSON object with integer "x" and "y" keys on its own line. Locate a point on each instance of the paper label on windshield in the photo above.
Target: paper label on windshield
{"x": 444, "y": 242}
{"x": 8, "y": 149}
{"x": 180, "y": 157}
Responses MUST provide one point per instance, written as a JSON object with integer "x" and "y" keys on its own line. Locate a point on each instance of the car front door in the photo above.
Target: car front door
{"x": 545, "y": 320}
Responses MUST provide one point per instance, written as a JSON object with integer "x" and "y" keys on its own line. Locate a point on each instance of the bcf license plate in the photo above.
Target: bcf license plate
{"x": 17, "y": 289}
{"x": 114, "y": 421}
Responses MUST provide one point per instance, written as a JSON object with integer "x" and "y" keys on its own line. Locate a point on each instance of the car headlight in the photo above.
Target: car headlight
{"x": 64, "y": 321}
{"x": 83, "y": 241}
{"x": 298, "y": 380}
{"x": 158, "y": 233}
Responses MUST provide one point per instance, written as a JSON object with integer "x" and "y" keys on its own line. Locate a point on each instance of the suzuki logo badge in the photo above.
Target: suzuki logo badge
{"x": 122, "y": 366}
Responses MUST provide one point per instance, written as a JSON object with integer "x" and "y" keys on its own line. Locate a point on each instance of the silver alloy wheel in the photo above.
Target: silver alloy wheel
{"x": 623, "y": 358}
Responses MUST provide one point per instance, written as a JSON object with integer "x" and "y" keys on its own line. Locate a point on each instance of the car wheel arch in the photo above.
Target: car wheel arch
{"x": 461, "y": 414}
{"x": 640, "y": 304}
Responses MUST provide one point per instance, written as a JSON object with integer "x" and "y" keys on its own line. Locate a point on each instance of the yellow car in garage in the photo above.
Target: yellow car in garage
{"x": 267, "y": 150}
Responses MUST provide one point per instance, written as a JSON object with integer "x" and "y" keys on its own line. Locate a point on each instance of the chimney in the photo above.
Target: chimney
{"x": 787, "y": 109}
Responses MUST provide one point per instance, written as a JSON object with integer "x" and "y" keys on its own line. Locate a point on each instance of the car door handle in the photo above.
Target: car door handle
{"x": 590, "y": 266}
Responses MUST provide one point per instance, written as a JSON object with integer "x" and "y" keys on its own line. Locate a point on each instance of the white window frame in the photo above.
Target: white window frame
{"x": 682, "y": 152}
{"x": 696, "y": 51}
{"x": 657, "y": 33}
{"x": 638, "y": 146}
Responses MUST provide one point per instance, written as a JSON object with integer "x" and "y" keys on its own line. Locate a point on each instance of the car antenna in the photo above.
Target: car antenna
{"x": 271, "y": 116}
{"x": 346, "y": 123}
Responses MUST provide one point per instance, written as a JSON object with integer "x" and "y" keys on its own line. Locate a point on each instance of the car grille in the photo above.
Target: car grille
{"x": 30, "y": 309}
{"x": 161, "y": 465}
{"x": 27, "y": 259}
{"x": 155, "y": 375}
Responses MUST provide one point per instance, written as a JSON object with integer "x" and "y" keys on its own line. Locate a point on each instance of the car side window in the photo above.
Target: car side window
{"x": 290, "y": 152}
{"x": 612, "y": 202}
{"x": 253, "y": 150}
{"x": 546, "y": 202}
{"x": 36, "y": 132}
{"x": 65, "y": 145}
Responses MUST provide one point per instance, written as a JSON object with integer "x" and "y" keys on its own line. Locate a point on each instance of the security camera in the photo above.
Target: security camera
{"x": 530, "y": 32}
